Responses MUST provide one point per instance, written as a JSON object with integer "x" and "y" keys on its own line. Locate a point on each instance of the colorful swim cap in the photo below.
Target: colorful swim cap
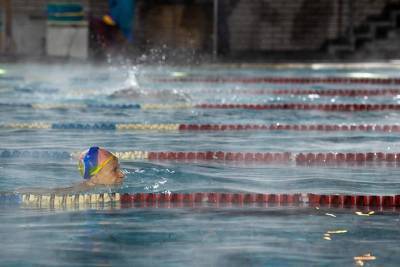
{"x": 93, "y": 160}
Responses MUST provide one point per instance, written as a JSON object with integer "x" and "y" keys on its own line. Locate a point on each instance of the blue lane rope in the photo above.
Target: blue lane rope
{"x": 120, "y": 106}
{"x": 91, "y": 126}
{"x": 20, "y": 105}
{"x": 8, "y": 153}
{"x": 394, "y": 128}
{"x": 67, "y": 106}
{"x": 85, "y": 126}
{"x": 10, "y": 198}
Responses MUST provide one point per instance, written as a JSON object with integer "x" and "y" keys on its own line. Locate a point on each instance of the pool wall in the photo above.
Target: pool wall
{"x": 246, "y": 30}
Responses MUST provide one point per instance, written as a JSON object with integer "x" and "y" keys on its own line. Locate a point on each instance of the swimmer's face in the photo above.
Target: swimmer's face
{"x": 110, "y": 174}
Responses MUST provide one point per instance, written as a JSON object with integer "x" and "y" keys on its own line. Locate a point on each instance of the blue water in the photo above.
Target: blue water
{"x": 111, "y": 235}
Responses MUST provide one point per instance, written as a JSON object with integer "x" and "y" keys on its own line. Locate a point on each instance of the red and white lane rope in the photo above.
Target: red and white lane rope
{"x": 216, "y": 199}
{"x": 283, "y": 106}
{"x": 264, "y": 157}
{"x": 203, "y": 127}
{"x": 221, "y": 156}
{"x": 289, "y": 127}
{"x": 333, "y": 92}
{"x": 319, "y": 92}
{"x": 299, "y": 106}
{"x": 335, "y": 201}
{"x": 284, "y": 80}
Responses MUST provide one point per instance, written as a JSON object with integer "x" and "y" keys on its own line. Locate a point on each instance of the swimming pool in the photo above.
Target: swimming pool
{"x": 204, "y": 235}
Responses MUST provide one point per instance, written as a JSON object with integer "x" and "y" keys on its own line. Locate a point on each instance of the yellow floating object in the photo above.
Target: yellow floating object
{"x": 132, "y": 155}
{"x": 57, "y": 106}
{"x": 69, "y": 200}
{"x": 81, "y": 199}
{"x": 88, "y": 198}
{"x": 35, "y": 125}
{"x": 95, "y": 198}
{"x": 106, "y": 198}
{"x": 127, "y": 155}
{"x": 45, "y": 201}
{"x": 58, "y": 200}
{"x": 34, "y": 199}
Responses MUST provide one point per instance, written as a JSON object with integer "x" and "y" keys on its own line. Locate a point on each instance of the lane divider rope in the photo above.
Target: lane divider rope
{"x": 358, "y": 158}
{"x": 347, "y": 92}
{"x": 278, "y": 157}
{"x": 283, "y": 80}
{"x": 218, "y": 199}
{"x": 290, "y": 127}
{"x": 93, "y": 126}
{"x": 204, "y": 127}
{"x": 320, "y": 92}
{"x": 299, "y": 106}
{"x": 71, "y": 106}
{"x": 328, "y": 92}
{"x": 167, "y": 106}
{"x": 98, "y": 106}
{"x": 285, "y": 106}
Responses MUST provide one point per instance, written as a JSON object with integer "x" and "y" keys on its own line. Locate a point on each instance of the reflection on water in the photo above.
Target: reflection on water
{"x": 111, "y": 234}
{"x": 143, "y": 236}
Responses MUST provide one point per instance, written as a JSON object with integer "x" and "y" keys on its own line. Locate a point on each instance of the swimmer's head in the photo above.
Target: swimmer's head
{"x": 100, "y": 167}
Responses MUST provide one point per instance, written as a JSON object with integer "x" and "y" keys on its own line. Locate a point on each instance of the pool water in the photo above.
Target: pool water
{"x": 110, "y": 235}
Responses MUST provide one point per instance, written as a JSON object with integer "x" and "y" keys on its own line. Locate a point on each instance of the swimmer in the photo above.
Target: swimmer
{"x": 97, "y": 166}
{"x": 100, "y": 167}
{"x": 134, "y": 93}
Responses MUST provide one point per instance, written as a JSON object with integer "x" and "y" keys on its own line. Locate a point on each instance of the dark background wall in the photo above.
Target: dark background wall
{"x": 245, "y": 27}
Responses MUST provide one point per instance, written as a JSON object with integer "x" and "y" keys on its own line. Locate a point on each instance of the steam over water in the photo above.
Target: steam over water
{"x": 275, "y": 236}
